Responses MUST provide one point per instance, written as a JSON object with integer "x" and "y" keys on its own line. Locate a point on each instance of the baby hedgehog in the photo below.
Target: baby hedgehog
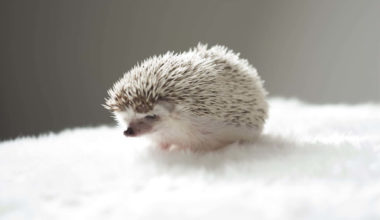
{"x": 201, "y": 99}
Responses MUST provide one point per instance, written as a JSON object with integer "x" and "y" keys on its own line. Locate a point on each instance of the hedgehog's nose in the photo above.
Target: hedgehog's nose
{"x": 129, "y": 132}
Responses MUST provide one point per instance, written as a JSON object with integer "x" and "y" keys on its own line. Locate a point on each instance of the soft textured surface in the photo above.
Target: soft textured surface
{"x": 313, "y": 161}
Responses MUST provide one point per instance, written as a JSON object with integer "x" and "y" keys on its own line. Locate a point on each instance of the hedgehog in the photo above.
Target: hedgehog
{"x": 201, "y": 99}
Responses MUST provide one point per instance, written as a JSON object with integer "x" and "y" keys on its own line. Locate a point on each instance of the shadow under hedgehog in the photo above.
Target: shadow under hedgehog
{"x": 202, "y": 99}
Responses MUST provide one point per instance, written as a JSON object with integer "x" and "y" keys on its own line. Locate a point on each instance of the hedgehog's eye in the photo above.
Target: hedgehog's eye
{"x": 151, "y": 117}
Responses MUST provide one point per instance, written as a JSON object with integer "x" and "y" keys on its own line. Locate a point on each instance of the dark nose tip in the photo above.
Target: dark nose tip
{"x": 129, "y": 132}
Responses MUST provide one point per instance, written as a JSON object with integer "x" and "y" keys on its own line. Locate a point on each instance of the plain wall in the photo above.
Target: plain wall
{"x": 58, "y": 58}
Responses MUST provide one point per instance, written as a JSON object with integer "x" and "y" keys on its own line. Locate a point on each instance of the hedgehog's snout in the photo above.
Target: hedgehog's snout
{"x": 129, "y": 132}
{"x": 139, "y": 127}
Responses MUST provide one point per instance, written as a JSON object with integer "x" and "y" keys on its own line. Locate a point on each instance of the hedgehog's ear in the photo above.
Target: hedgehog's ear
{"x": 167, "y": 104}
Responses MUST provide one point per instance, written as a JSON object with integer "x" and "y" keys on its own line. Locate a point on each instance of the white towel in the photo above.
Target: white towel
{"x": 313, "y": 161}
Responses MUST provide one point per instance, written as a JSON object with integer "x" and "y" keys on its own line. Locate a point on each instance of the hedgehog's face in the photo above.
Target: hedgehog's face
{"x": 136, "y": 124}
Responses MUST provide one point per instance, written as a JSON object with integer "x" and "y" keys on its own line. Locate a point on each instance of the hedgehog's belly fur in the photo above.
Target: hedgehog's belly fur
{"x": 189, "y": 134}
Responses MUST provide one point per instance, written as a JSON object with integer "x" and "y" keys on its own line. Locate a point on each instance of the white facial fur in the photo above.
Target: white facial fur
{"x": 161, "y": 110}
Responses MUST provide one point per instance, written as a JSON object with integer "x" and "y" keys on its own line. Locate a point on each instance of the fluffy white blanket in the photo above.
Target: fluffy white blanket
{"x": 313, "y": 161}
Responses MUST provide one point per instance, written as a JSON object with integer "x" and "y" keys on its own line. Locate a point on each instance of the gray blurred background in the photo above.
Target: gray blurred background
{"x": 58, "y": 58}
